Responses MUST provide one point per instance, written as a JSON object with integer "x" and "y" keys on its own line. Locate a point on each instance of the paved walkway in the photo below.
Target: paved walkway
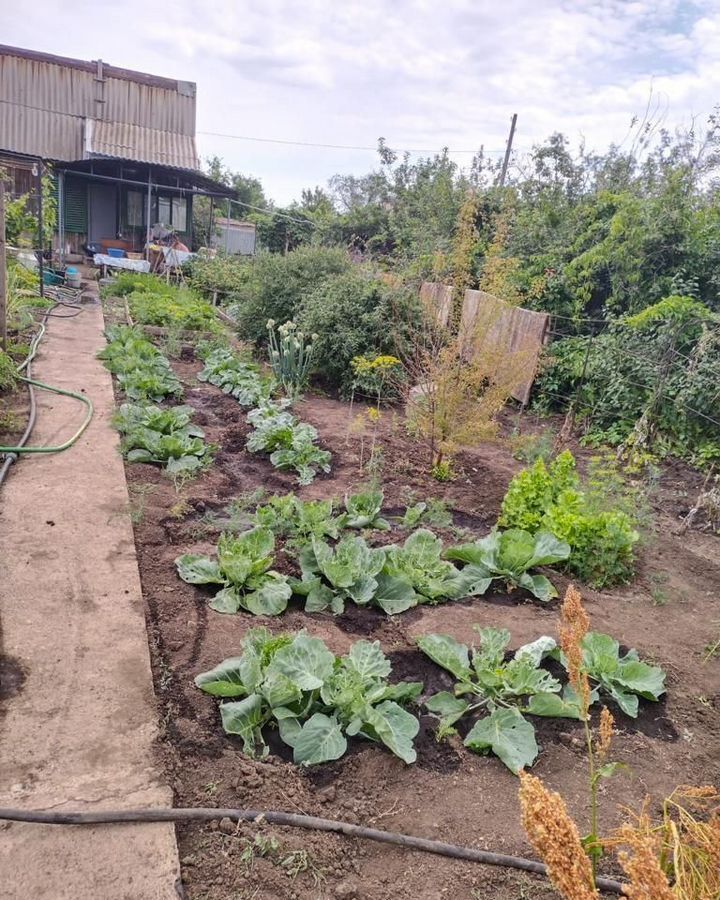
{"x": 79, "y": 732}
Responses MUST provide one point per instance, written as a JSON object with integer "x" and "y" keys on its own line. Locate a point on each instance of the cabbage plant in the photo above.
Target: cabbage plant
{"x": 167, "y": 436}
{"x": 509, "y": 555}
{"x": 315, "y": 699}
{"x": 242, "y": 569}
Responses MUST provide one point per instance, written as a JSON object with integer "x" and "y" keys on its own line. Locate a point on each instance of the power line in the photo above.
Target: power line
{"x": 244, "y": 137}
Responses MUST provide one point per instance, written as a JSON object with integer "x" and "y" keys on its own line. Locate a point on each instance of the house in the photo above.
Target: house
{"x": 234, "y": 236}
{"x": 120, "y": 144}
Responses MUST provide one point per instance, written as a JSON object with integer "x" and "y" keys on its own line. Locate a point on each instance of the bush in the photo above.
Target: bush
{"x": 277, "y": 285}
{"x": 602, "y": 540}
{"x": 662, "y": 361}
{"x": 181, "y": 311}
{"x": 222, "y": 273}
{"x": 125, "y": 283}
{"x": 354, "y": 314}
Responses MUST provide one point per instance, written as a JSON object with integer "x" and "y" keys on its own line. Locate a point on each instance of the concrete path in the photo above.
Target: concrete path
{"x": 77, "y": 709}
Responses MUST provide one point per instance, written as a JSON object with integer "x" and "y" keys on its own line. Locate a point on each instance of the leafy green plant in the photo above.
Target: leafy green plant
{"x": 301, "y": 520}
{"x": 290, "y": 353}
{"x": 182, "y": 311}
{"x": 315, "y": 699}
{"x": 243, "y": 569}
{"x": 290, "y": 443}
{"x": 363, "y": 511}
{"x": 509, "y": 555}
{"x": 8, "y": 372}
{"x": 602, "y": 541}
{"x": 624, "y": 677}
{"x": 167, "y": 436}
{"x": 239, "y": 379}
{"x": 430, "y": 512}
{"x": 333, "y": 576}
{"x": 142, "y": 372}
{"x": 487, "y": 681}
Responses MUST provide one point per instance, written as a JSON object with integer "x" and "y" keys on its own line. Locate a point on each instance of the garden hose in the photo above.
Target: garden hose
{"x": 70, "y": 441}
{"x": 12, "y": 453}
{"x": 204, "y": 814}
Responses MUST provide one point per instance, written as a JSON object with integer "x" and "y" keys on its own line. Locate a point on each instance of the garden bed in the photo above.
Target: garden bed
{"x": 668, "y": 614}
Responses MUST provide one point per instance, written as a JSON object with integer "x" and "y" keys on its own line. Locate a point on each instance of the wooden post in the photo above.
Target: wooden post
{"x": 508, "y": 150}
{"x": 3, "y": 283}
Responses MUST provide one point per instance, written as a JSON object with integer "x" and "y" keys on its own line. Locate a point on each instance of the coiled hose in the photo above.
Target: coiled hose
{"x": 12, "y": 453}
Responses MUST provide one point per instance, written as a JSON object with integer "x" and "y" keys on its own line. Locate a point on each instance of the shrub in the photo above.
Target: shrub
{"x": 354, "y": 314}
{"x": 222, "y": 273}
{"x": 602, "y": 540}
{"x": 277, "y": 284}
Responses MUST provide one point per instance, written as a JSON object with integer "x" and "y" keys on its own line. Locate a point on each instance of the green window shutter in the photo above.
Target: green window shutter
{"x": 76, "y": 206}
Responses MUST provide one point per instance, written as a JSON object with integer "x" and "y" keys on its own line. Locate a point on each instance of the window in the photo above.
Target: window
{"x": 179, "y": 213}
{"x": 164, "y": 217}
{"x": 135, "y": 209}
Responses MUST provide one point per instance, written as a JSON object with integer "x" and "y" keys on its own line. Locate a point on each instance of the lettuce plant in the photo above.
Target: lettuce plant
{"x": 509, "y": 555}
{"x": 167, "y": 436}
{"x": 549, "y": 498}
{"x": 242, "y": 568}
{"x": 315, "y": 699}
{"x": 298, "y": 519}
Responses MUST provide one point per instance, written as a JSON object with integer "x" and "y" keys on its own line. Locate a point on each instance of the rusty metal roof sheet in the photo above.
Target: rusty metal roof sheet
{"x": 122, "y": 141}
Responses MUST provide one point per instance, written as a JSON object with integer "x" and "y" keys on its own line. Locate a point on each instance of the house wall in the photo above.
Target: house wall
{"x": 45, "y": 102}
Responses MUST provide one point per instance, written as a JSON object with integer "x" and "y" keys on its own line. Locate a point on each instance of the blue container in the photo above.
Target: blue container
{"x": 116, "y": 252}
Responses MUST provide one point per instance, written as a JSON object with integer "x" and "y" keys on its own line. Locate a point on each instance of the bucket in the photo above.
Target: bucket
{"x": 72, "y": 277}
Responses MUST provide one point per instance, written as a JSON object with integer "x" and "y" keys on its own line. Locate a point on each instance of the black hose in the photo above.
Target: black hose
{"x": 202, "y": 814}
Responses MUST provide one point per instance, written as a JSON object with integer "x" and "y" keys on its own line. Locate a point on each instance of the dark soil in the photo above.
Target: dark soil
{"x": 670, "y": 614}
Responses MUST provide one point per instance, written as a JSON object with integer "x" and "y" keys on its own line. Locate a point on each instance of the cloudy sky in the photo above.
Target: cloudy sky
{"x": 422, "y": 74}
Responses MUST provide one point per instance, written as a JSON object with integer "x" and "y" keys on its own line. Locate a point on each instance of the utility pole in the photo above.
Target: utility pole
{"x": 508, "y": 150}
{"x": 3, "y": 284}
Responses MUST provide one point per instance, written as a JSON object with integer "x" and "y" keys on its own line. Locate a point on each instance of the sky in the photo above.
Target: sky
{"x": 423, "y": 75}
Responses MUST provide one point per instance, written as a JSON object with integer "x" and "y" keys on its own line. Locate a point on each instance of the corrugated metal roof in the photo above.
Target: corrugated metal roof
{"x": 45, "y": 102}
{"x": 122, "y": 141}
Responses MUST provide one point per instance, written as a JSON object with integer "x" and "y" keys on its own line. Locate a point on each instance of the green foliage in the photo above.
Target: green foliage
{"x": 301, "y": 520}
{"x": 8, "y": 372}
{"x": 315, "y": 699}
{"x": 355, "y": 314}
{"x": 222, "y": 273}
{"x": 509, "y": 555}
{"x": 166, "y": 436}
{"x": 602, "y": 541}
{"x": 661, "y": 363}
{"x": 507, "y": 687}
{"x": 624, "y": 678}
{"x": 487, "y": 681}
{"x": 183, "y": 311}
{"x": 290, "y": 443}
{"x": 290, "y": 353}
{"x": 363, "y": 511}
{"x": 278, "y": 284}
{"x": 142, "y": 372}
{"x": 241, "y": 380}
{"x": 243, "y": 569}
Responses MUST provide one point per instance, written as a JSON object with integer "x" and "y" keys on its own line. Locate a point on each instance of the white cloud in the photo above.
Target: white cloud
{"x": 421, "y": 73}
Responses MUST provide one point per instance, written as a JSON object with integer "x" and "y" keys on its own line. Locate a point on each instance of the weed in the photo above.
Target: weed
{"x": 137, "y": 502}
{"x": 180, "y": 509}
{"x": 529, "y": 447}
{"x": 443, "y": 470}
{"x": 211, "y": 788}
{"x": 658, "y": 582}
{"x": 10, "y": 421}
